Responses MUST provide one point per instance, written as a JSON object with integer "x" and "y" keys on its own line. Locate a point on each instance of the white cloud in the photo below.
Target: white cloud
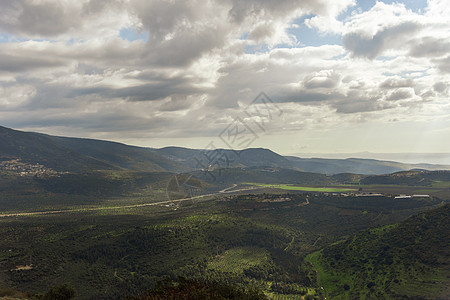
{"x": 13, "y": 96}
{"x": 323, "y": 79}
{"x": 63, "y": 19}
{"x": 69, "y": 68}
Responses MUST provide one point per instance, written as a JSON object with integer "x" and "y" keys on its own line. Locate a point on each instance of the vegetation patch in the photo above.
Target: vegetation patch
{"x": 243, "y": 240}
{"x": 303, "y": 188}
{"x": 399, "y": 261}
{"x": 237, "y": 260}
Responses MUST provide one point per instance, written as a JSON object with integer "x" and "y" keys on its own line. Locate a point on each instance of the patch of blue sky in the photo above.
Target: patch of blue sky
{"x": 73, "y": 41}
{"x": 409, "y": 74}
{"x": 255, "y": 49}
{"x": 386, "y": 58}
{"x": 9, "y": 38}
{"x": 244, "y": 36}
{"x": 417, "y": 6}
{"x": 307, "y": 36}
{"x": 131, "y": 34}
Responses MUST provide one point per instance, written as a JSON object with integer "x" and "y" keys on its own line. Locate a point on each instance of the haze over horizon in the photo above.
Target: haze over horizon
{"x": 340, "y": 78}
{"x": 408, "y": 158}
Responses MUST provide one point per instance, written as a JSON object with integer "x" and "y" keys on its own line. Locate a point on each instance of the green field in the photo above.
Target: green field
{"x": 304, "y": 188}
{"x": 236, "y": 260}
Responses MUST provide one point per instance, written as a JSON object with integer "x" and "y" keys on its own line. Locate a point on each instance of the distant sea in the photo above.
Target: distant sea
{"x": 409, "y": 158}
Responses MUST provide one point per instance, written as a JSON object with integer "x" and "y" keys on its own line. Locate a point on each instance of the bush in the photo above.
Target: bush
{"x": 188, "y": 289}
{"x": 62, "y": 292}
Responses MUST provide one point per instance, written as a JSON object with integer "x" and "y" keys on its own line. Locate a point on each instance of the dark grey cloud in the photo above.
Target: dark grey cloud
{"x": 151, "y": 91}
{"x": 443, "y": 64}
{"x": 9, "y": 14}
{"x": 143, "y": 92}
{"x": 262, "y": 31}
{"x": 308, "y": 97}
{"x": 161, "y": 18}
{"x": 47, "y": 19}
{"x": 116, "y": 119}
{"x": 358, "y": 101}
{"x": 361, "y": 45}
{"x": 441, "y": 87}
{"x": 400, "y": 94}
{"x": 180, "y": 32}
{"x": 50, "y": 19}
{"x": 241, "y": 10}
{"x": 43, "y": 19}
{"x": 96, "y": 7}
{"x": 428, "y": 95}
{"x": 187, "y": 46}
{"x": 177, "y": 102}
{"x": 429, "y": 47}
{"x": 21, "y": 63}
{"x": 103, "y": 121}
{"x": 48, "y": 96}
{"x": 351, "y": 107}
{"x": 394, "y": 83}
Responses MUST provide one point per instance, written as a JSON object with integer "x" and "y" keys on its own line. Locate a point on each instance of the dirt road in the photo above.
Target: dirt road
{"x": 87, "y": 209}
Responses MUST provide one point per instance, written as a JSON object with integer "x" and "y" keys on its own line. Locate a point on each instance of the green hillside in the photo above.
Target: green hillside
{"x": 36, "y": 148}
{"x": 78, "y": 154}
{"x": 411, "y": 178}
{"x": 407, "y": 260}
{"x": 62, "y": 190}
{"x": 124, "y": 156}
{"x": 263, "y": 175}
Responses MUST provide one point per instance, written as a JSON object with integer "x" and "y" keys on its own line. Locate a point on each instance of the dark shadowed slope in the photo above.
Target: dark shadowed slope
{"x": 36, "y": 148}
{"x": 224, "y": 158}
{"x": 125, "y": 156}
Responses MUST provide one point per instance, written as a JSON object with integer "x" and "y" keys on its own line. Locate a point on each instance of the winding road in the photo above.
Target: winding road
{"x": 87, "y": 209}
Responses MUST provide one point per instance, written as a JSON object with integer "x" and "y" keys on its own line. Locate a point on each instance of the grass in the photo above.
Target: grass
{"x": 303, "y": 188}
{"x": 441, "y": 184}
{"x": 236, "y": 260}
{"x": 323, "y": 278}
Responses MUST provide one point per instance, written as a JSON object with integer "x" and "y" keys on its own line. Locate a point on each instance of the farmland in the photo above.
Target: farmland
{"x": 245, "y": 239}
{"x": 437, "y": 188}
{"x": 304, "y": 188}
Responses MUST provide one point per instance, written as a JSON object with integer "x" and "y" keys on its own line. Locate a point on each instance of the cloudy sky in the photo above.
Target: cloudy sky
{"x": 340, "y": 76}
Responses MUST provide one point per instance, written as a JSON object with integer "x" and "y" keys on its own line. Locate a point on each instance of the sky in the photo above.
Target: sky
{"x": 308, "y": 76}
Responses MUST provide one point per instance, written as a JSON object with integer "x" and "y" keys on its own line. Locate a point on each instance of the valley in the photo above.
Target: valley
{"x": 224, "y": 150}
{"x": 111, "y": 230}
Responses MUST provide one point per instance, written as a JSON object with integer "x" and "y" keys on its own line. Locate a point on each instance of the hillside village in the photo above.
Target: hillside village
{"x": 26, "y": 169}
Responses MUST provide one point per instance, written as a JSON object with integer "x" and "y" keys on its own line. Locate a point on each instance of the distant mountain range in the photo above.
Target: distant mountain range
{"x": 408, "y": 158}
{"x": 77, "y": 154}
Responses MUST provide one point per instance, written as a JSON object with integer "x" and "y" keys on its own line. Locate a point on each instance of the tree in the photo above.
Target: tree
{"x": 62, "y": 292}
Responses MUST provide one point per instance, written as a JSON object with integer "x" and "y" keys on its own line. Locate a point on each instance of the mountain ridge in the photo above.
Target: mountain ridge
{"x": 80, "y": 154}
